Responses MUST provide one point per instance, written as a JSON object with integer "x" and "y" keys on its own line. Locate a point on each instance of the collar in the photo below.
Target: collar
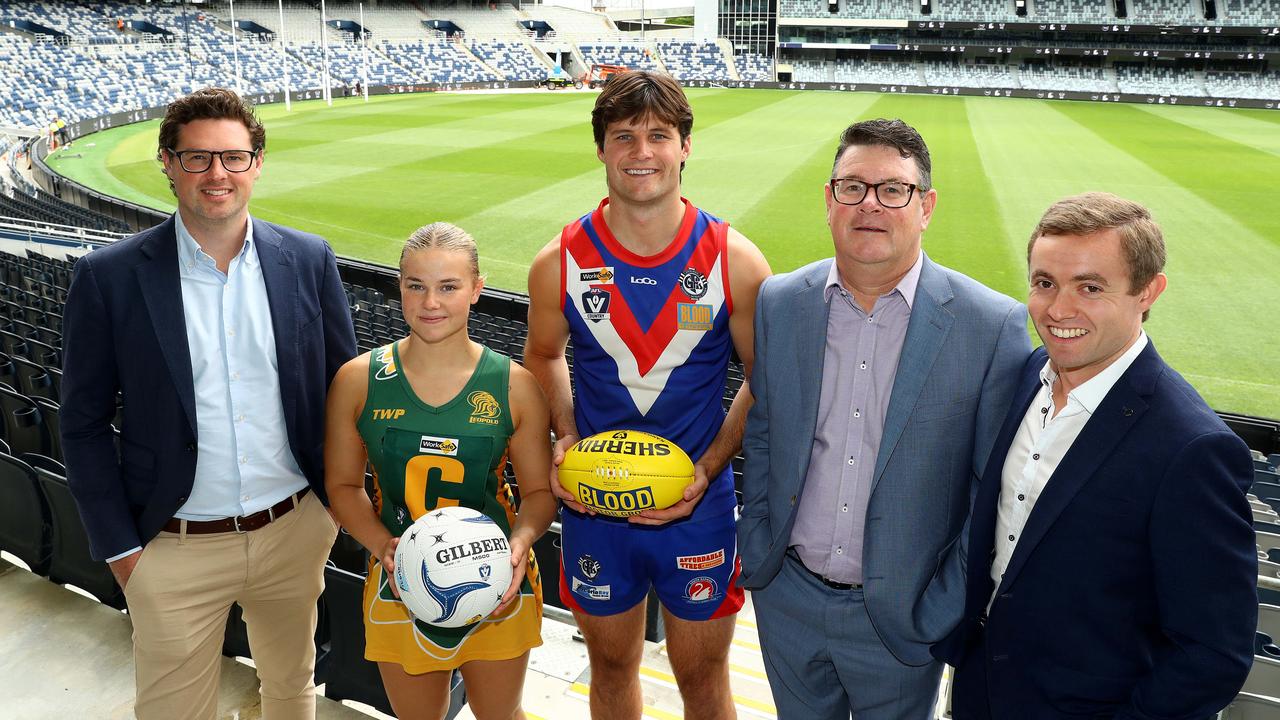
{"x": 190, "y": 254}
{"x": 1091, "y": 393}
{"x": 906, "y": 287}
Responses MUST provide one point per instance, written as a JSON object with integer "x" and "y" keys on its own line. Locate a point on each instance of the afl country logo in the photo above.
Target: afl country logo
{"x": 595, "y": 304}
{"x": 484, "y": 408}
{"x": 589, "y": 566}
{"x": 693, "y": 283}
{"x": 387, "y": 364}
{"x": 700, "y": 589}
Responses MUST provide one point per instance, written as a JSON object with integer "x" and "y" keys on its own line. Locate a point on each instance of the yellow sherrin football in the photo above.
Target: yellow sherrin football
{"x": 623, "y": 472}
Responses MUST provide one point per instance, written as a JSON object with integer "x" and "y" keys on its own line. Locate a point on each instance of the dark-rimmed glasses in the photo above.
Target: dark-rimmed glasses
{"x": 198, "y": 161}
{"x": 892, "y": 194}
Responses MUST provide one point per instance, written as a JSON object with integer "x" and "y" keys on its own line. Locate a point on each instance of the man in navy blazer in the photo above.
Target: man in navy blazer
{"x": 1112, "y": 565}
{"x": 221, "y": 334}
{"x": 880, "y": 380}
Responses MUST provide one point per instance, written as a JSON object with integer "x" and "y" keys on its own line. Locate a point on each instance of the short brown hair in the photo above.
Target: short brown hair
{"x": 1140, "y": 238}
{"x": 639, "y": 93}
{"x": 211, "y": 103}
{"x": 889, "y": 133}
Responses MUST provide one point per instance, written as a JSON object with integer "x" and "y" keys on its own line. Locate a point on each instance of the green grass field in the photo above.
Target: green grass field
{"x": 512, "y": 169}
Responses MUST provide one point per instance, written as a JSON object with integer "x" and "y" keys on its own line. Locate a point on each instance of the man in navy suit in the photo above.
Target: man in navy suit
{"x": 1112, "y": 566}
{"x": 220, "y": 333}
{"x": 880, "y": 380}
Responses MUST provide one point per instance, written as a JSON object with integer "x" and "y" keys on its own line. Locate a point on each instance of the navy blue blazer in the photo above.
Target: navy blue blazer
{"x": 1132, "y": 591}
{"x": 124, "y": 330}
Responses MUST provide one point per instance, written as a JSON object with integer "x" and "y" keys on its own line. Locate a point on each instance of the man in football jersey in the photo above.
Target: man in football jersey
{"x": 655, "y": 294}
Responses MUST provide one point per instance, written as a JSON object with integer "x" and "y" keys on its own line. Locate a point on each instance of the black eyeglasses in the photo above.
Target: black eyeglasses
{"x": 893, "y": 194}
{"x": 198, "y": 161}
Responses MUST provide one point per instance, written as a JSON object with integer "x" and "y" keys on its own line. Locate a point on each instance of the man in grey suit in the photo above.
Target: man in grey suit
{"x": 880, "y": 382}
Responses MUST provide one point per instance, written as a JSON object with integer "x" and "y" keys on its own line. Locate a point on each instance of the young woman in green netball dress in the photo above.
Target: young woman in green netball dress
{"x": 438, "y": 415}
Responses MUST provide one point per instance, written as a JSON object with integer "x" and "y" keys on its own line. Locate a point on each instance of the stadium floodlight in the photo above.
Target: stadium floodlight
{"x": 364, "y": 55}
{"x": 235, "y": 48}
{"x": 325, "y": 90}
{"x": 284, "y": 57}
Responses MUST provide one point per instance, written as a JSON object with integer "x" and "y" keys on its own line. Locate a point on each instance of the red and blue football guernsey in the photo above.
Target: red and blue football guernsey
{"x": 651, "y": 349}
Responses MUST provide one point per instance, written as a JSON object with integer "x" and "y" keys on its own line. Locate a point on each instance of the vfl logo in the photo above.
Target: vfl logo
{"x": 484, "y": 408}
{"x": 438, "y": 445}
{"x": 641, "y": 280}
{"x": 387, "y": 363}
{"x": 595, "y": 304}
{"x": 589, "y": 566}
{"x": 693, "y": 283}
{"x": 601, "y": 276}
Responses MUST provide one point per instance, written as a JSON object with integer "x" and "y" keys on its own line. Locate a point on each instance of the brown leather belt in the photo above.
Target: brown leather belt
{"x": 240, "y": 524}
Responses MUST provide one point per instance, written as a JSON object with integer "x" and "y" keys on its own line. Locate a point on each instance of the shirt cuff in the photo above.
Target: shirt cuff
{"x": 124, "y": 554}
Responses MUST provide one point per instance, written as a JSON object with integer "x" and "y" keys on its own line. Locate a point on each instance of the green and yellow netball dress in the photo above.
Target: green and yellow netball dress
{"x": 427, "y": 457}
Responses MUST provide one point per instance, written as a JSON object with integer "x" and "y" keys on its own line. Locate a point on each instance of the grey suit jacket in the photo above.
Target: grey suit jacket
{"x": 955, "y": 380}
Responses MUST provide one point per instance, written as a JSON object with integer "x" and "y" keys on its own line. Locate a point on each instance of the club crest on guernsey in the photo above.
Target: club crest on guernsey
{"x": 693, "y": 283}
{"x": 595, "y": 304}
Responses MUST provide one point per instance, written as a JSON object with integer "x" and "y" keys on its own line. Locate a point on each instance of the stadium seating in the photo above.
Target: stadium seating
{"x": 965, "y": 75}
{"x": 71, "y": 563}
{"x": 753, "y": 66}
{"x": 878, "y": 9}
{"x": 1083, "y": 79}
{"x": 1132, "y": 78}
{"x": 625, "y": 55}
{"x": 515, "y": 60}
{"x": 25, "y": 525}
{"x": 693, "y": 60}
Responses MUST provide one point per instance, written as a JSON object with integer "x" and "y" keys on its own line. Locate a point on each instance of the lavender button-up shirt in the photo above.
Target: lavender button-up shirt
{"x": 860, "y": 363}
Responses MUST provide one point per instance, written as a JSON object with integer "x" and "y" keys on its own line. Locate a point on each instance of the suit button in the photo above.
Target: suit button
{"x": 191, "y": 447}
{"x": 182, "y": 499}
{"x": 793, "y": 499}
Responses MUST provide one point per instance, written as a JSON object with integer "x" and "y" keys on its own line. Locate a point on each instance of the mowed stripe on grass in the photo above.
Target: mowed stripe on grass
{"x": 1218, "y": 267}
{"x": 513, "y": 169}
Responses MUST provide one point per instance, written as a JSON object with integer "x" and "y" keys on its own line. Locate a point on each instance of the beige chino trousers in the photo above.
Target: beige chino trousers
{"x": 181, "y": 592}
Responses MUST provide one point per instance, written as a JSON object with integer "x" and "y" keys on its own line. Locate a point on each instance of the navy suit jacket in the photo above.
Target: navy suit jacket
{"x": 1132, "y": 591}
{"x": 955, "y": 378}
{"x": 124, "y": 330}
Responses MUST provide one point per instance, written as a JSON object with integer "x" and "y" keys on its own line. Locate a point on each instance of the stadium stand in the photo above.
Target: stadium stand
{"x": 516, "y": 61}
{"x": 1261, "y": 86}
{"x": 1074, "y": 11}
{"x": 966, "y": 75}
{"x": 687, "y": 60}
{"x": 753, "y": 66}
{"x": 440, "y": 61}
{"x": 1082, "y": 79}
{"x": 614, "y": 54}
{"x": 1156, "y": 80}
{"x": 879, "y": 9}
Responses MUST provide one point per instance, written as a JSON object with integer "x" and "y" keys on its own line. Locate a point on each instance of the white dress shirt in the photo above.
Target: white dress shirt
{"x": 1042, "y": 440}
{"x": 244, "y": 463}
